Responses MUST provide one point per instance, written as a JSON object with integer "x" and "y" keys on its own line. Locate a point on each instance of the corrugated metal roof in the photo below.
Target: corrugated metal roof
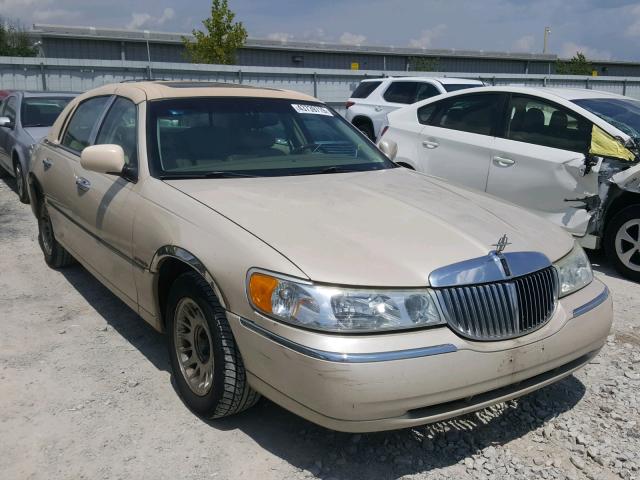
{"x": 42, "y": 30}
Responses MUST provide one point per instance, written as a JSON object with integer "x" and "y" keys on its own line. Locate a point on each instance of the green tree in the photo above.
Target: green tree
{"x": 221, "y": 38}
{"x": 577, "y": 65}
{"x": 424, "y": 64}
{"x": 14, "y": 41}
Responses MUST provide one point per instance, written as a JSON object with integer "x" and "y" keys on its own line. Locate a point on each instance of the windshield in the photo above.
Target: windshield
{"x": 623, "y": 114}
{"x": 41, "y": 111}
{"x": 232, "y": 137}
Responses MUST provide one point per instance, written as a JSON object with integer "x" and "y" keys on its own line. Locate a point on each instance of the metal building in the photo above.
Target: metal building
{"x": 57, "y": 41}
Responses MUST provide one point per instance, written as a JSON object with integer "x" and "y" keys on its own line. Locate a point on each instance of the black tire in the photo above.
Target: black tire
{"x": 365, "y": 127}
{"x": 629, "y": 220}
{"x": 54, "y": 254}
{"x": 21, "y": 183}
{"x": 228, "y": 393}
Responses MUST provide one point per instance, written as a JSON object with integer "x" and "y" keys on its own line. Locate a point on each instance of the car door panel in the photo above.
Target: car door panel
{"x": 103, "y": 203}
{"x": 102, "y": 211}
{"x": 544, "y": 180}
{"x": 458, "y": 157}
{"x": 537, "y": 163}
{"x": 57, "y": 178}
{"x": 457, "y": 141}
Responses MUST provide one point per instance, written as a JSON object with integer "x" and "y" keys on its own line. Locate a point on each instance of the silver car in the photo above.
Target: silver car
{"x": 25, "y": 118}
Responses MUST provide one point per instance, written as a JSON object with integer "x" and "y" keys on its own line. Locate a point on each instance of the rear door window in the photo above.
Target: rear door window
{"x": 538, "y": 121}
{"x": 78, "y": 133}
{"x": 476, "y": 113}
{"x": 365, "y": 89}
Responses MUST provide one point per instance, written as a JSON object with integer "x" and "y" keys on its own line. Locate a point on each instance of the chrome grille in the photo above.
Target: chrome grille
{"x": 500, "y": 310}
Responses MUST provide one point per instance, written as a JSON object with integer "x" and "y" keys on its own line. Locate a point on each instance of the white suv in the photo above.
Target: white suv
{"x": 374, "y": 98}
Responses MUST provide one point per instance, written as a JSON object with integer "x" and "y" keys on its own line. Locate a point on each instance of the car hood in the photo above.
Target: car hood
{"x": 37, "y": 133}
{"x": 378, "y": 228}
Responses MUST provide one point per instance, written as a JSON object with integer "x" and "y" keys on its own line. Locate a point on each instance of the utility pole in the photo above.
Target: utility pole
{"x": 547, "y": 31}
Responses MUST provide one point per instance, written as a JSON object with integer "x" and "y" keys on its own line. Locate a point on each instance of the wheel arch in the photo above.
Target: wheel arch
{"x": 167, "y": 264}
{"x": 622, "y": 199}
{"x": 36, "y": 193}
{"x": 362, "y": 118}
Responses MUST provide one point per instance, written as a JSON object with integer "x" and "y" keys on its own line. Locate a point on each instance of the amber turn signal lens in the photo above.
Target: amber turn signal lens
{"x": 261, "y": 289}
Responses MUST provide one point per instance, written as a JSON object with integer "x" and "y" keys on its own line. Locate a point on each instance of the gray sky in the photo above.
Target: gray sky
{"x": 601, "y": 29}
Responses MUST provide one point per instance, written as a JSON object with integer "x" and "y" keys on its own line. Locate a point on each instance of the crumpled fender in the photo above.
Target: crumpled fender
{"x": 628, "y": 179}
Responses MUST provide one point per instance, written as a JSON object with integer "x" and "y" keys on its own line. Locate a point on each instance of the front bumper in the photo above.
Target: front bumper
{"x": 400, "y": 380}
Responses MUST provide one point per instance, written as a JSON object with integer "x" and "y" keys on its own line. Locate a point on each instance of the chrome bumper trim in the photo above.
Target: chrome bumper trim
{"x": 349, "y": 357}
{"x": 591, "y": 304}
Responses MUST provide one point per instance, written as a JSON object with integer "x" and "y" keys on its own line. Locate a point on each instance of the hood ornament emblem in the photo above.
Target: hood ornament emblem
{"x": 503, "y": 242}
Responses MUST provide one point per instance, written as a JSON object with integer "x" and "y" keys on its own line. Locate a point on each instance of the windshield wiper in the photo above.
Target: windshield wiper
{"x": 216, "y": 174}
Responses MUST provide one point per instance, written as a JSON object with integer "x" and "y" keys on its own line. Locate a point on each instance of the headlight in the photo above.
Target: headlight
{"x": 336, "y": 309}
{"x": 574, "y": 271}
{"x": 32, "y": 148}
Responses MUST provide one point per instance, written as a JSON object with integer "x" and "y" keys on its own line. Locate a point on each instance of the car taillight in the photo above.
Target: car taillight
{"x": 348, "y": 104}
{"x": 384, "y": 130}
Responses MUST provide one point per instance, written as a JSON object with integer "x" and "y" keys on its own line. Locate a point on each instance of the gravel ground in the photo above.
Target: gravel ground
{"x": 85, "y": 392}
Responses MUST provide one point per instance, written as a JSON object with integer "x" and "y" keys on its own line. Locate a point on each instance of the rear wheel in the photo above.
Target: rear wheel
{"x": 622, "y": 242}
{"x": 21, "y": 185}
{"x": 54, "y": 254}
{"x": 206, "y": 363}
{"x": 365, "y": 127}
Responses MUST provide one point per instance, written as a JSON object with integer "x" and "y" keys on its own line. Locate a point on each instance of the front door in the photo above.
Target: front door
{"x": 539, "y": 163}
{"x": 103, "y": 203}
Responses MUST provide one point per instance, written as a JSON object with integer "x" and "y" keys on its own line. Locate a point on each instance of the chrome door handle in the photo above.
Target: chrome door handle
{"x": 83, "y": 184}
{"x": 377, "y": 109}
{"x": 47, "y": 163}
{"x": 430, "y": 144}
{"x": 503, "y": 161}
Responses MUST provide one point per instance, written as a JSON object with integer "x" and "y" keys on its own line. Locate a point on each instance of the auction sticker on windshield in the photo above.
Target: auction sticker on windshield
{"x": 313, "y": 109}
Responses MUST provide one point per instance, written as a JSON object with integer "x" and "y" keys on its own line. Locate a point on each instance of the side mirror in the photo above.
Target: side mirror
{"x": 6, "y": 122}
{"x": 103, "y": 159}
{"x": 389, "y": 148}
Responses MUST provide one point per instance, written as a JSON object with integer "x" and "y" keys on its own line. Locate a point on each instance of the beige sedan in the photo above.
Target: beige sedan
{"x": 284, "y": 255}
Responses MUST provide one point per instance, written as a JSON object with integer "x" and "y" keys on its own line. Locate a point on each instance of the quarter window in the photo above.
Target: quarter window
{"x": 426, "y": 90}
{"x": 120, "y": 128}
{"x": 401, "y": 92}
{"x": 533, "y": 120}
{"x": 78, "y": 133}
{"x": 469, "y": 113}
{"x": 365, "y": 89}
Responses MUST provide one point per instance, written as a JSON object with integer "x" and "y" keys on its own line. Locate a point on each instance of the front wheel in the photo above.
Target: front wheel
{"x": 622, "y": 242}
{"x": 206, "y": 363}
{"x": 21, "y": 184}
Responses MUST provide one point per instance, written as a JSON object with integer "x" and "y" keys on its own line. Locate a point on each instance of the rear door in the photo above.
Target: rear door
{"x": 102, "y": 204}
{"x": 457, "y": 141}
{"x": 538, "y": 162}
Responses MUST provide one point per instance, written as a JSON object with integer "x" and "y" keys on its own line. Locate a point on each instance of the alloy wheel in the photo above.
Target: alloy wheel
{"x": 194, "y": 346}
{"x": 627, "y": 244}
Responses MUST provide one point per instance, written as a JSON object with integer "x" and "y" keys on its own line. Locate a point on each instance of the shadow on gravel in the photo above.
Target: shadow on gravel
{"x": 334, "y": 455}
{"x": 119, "y": 316}
{"x": 601, "y": 264}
